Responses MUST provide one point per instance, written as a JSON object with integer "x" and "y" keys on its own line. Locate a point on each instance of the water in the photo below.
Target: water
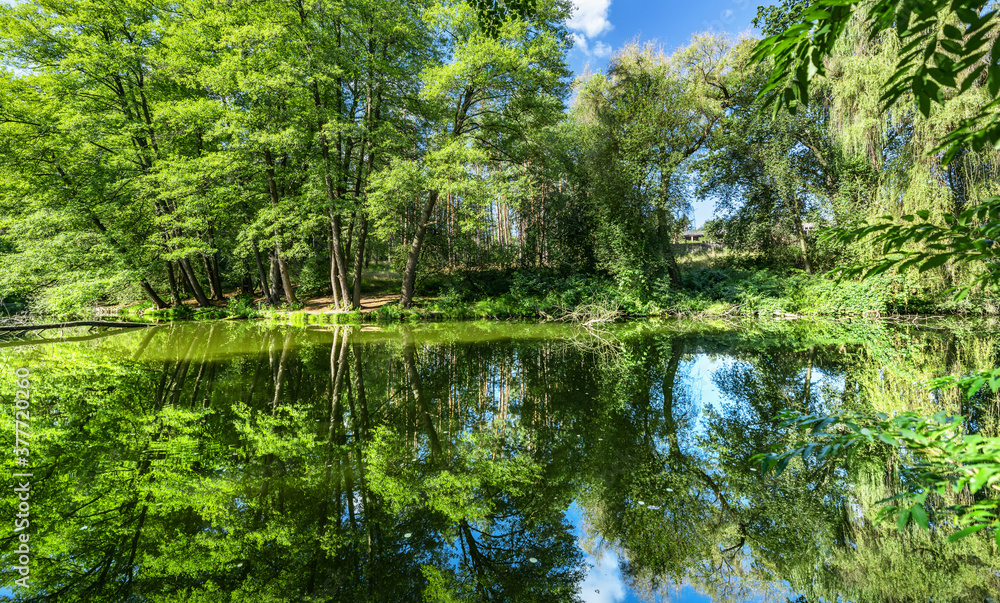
{"x": 475, "y": 461}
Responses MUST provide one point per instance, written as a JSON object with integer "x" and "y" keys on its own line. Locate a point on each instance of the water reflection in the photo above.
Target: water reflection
{"x": 477, "y": 462}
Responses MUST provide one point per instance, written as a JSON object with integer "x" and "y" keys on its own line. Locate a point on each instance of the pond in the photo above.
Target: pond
{"x": 228, "y": 461}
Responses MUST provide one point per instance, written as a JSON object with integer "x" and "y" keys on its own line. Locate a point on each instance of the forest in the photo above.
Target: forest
{"x": 258, "y": 154}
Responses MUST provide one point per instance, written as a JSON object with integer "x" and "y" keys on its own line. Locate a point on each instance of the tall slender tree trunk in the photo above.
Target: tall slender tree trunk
{"x": 338, "y": 259}
{"x": 359, "y": 259}
{"x": 199, "y": 293}
{"x": 213, "y": 261}
{"x": 215, "y": 293}
{"x": 265, "y": 289}
{"x": 183, "y": 282}
{"x": 286, "y": 279}
{"x": 410, "y": 272}
{"x": 275, "y": 279}
{"x": 175, "y": 295}
{"x": 272, "y": 189}
{"x": 333, "y": 276}
{"x": 349, "y": 238}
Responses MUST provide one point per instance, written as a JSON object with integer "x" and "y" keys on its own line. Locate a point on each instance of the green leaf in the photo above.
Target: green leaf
{"x": 952, "y": 32}
{"x": 980, "y": 479}
{"x": 993, "y": 79}
{"x": 934, "y": 262}
{"x": 919, "y": 516}
{"x": 965, "y": 532}
{"x": 902, "y": 519}
{"x": 888, "y": 439}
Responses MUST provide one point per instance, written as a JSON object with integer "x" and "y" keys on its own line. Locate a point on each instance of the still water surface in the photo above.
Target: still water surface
{"x": 476, "y": 462}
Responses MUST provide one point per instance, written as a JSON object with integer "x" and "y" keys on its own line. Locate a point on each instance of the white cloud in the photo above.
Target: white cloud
{"x": 590, "y": 17}
{"x": 602, "y": 50}
{"x": 599, "y": 50}
{"x": 602, "y": 585}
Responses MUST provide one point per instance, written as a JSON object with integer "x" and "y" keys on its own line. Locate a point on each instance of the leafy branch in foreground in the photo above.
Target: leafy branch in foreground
{"x": 939, "y": 462}
{"x": 970, "y": 236}
{"x": 948, "y": 46}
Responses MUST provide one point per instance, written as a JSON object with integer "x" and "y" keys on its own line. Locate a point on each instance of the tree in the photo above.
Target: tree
{"x": 478, "y": 106}
{"x": 81, "y": 137}
{"x": 645, "y": 118}
{"x": 943, "y": 55}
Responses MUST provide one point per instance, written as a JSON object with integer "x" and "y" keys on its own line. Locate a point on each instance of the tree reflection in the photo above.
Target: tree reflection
{"x": 255, "y": 463}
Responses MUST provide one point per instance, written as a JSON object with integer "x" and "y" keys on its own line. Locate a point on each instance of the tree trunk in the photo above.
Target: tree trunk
{"x": 214, "y": 262}
{"x": 286, "y": 279}
{"x": 199, "y": 293}
{"x": 148, "y": 290}
{"x": 264, "y": 288}
{"x": 215, "y": 293}
{"x": 212, "y": 266}
{"x": 272, "y": 190}
{"x": 333, "y": 275}
{"x": 275, "y": 279}
{"x": 185, "y": 284}
{"x": 175, "y": 295}
{"x": 410, "y": 272}
{"x": 340, "y": 271}
{"x": 349, "y": 239}
{"x": 359, "y": 259}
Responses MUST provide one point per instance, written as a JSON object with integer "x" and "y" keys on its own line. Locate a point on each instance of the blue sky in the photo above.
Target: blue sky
{"x": 600, "y": 27}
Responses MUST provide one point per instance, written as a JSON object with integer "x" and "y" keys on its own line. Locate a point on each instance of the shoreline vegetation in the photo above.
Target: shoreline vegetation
{"x": 709, "y": 290}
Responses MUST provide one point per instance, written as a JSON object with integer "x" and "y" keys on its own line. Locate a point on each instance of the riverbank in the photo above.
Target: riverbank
{"x": 707, "y": 290}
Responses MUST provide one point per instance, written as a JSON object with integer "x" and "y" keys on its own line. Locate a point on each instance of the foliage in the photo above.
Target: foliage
{"x": 969, "y": 237}
{"x": 241, "y": 306}
{"x": 943, "y": 460}
{"x": 948, "y": 47}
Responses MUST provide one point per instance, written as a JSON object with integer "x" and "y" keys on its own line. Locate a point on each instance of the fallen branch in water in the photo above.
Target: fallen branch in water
{"x": 78, "y": 323}
{"x": 589, "y": 315}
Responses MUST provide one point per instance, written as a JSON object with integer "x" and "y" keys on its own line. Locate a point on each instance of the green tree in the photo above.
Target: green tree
{"x": 80, "y": 137}
{"x": 478, "y": 106}
{"x": 643, "y": 120}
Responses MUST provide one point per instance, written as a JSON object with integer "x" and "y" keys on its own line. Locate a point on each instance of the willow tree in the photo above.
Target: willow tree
{"x": 648, "y": 115}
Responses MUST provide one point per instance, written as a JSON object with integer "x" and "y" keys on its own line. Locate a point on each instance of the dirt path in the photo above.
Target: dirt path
{"x": 324, "y": 305}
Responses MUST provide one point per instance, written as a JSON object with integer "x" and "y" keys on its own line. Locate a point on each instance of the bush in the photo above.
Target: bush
{"x": 242, "y": 306}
